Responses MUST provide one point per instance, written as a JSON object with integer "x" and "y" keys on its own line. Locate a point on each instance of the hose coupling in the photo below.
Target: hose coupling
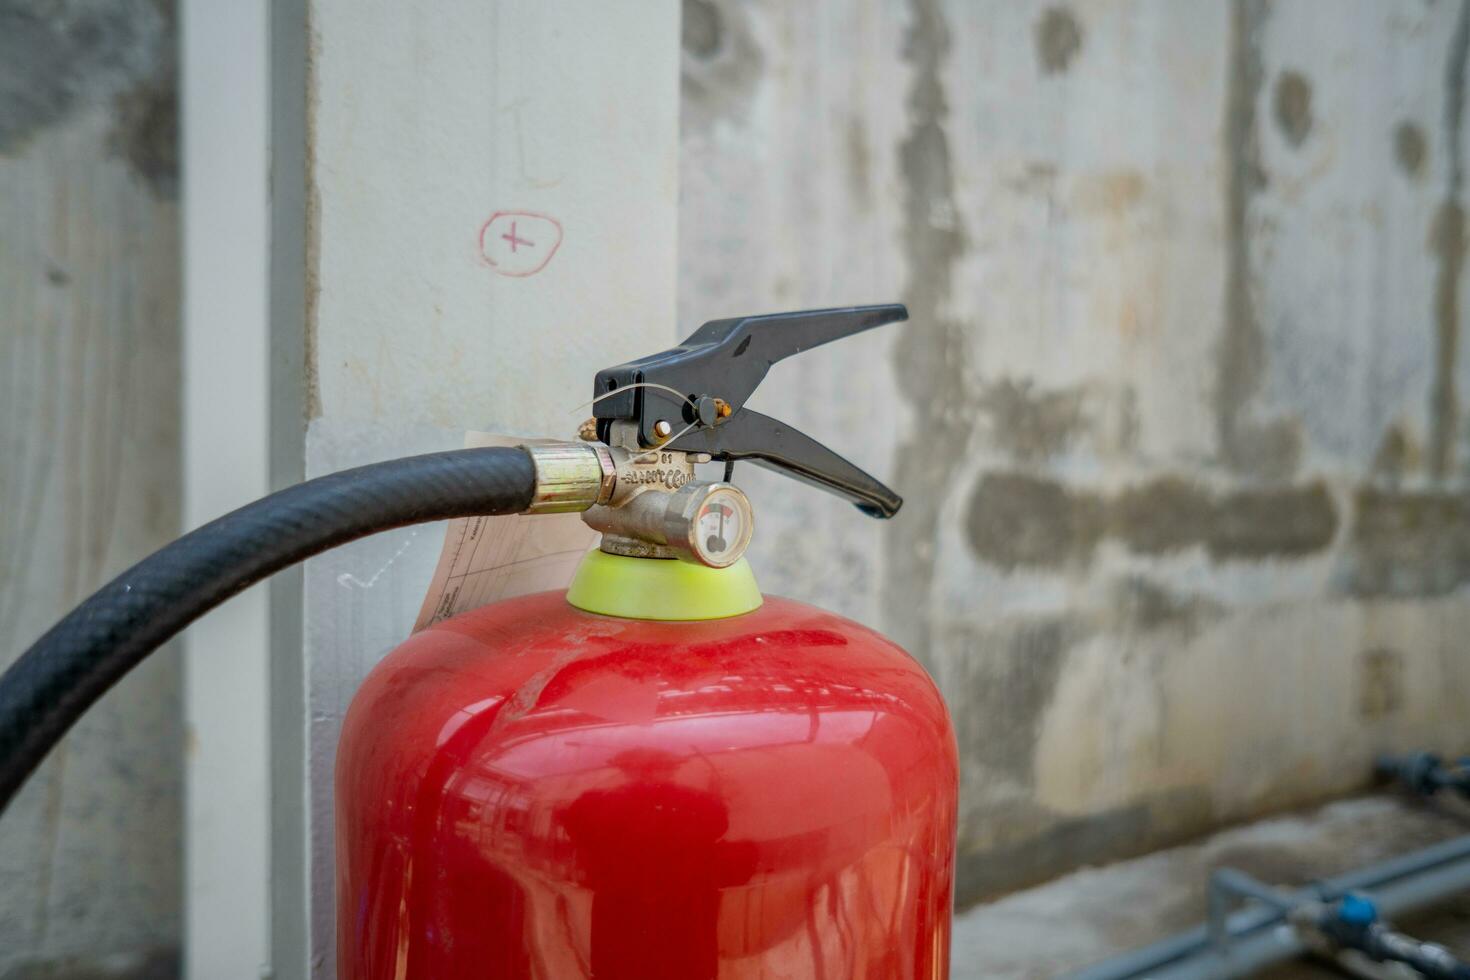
{"x": 570, "y": 476}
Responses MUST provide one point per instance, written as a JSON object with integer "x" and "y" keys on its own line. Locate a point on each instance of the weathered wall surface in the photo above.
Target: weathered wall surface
{"x": 89, "y": 332}
{"x": 1180, "y": 416}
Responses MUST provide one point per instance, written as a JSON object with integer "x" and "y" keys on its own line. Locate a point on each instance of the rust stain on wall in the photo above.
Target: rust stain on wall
{"x": 1112, "y": 193}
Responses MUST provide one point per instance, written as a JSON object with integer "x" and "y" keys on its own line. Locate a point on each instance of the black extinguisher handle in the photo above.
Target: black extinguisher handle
{"x": 691, "y": 398}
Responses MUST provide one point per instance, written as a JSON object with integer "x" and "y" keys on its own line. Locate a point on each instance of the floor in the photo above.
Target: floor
{"x": 1095, "y": 913}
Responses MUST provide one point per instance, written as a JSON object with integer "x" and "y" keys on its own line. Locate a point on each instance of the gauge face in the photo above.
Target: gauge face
{"x": 722, "y": 527}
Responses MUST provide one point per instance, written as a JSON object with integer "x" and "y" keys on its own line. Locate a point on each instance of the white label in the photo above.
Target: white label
{"x": 486, "y": 559}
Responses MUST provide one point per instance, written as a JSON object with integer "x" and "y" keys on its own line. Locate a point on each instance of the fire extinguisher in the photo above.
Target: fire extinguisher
{"x": 658, "y": 773}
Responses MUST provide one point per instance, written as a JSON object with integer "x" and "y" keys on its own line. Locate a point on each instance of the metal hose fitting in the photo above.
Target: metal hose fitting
{"x": 571, "y": 476}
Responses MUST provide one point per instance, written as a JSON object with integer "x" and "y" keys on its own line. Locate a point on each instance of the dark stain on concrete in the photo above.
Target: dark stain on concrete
{"x": 1408, "y": 543}
{"x": 1162, "y": 516}
{"x": 1140, "y": 604}
{"x": 147, "y": 134}
{"x": 1018, "y": 520}
{"x": 930, "y": 364}
{"x": 1058, "y": 39}
{"x": 1043, "y": 845}
{"x": 1030, "y": 424}
{"x": 1293, "y": 522}
{"x": 1129, "y": 421}
{"x": 58, "y": 58}
{"x": 57, "y": 276}
{"x": 1448, "y": 244}
{"x": 1447, "y": 240}
{"x": 1395, "y": 457}
{"x": 700, "y": 28}
{"x": 1293, "y": 105}
{"x": 164, "y": 963}
{"x": 1268, "y": 450}
{"x": 723, "y": 64}
{"x": 1061, "y": 846}
{"x": 1008, "y": 673}
{"x": 1007, "y": 676}
{"x": 1171, "y": 513}
{"x": 1410, "y": 148}
{"x": 1380, "y": 683}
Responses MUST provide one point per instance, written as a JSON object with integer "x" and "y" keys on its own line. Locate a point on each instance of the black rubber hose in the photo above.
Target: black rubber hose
{"x": 68, "y": 669}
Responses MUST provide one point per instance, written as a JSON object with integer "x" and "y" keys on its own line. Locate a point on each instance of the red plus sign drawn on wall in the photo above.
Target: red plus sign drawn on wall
{"x": 514, "y": 241}
{"x": 511, "y": 251}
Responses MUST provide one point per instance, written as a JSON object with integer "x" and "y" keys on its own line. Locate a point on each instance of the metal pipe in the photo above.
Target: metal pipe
{"x": 1258, "y": 936}
{"x": 1226, "y": 886}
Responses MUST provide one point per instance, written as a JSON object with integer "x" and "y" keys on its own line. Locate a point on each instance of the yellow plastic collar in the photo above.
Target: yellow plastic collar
{"x": 662, "y": 588}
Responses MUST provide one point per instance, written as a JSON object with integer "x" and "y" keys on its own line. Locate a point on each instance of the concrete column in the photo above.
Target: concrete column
{"x": 490, "y": 217}
{"x": 227, "y": 451}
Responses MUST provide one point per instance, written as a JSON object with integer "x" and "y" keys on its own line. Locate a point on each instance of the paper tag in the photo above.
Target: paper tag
{"x": 486, "y": 559}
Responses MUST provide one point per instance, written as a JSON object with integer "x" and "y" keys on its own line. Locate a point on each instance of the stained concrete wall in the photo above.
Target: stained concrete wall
{"x": 89, "y": 361}
{"x": 1180, "y": 413}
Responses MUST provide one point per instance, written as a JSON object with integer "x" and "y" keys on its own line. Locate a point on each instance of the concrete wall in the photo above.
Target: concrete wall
{"x": 229, "y": 416}
{"x": 89, "y": 464}
{"x": 1180, "y": 414}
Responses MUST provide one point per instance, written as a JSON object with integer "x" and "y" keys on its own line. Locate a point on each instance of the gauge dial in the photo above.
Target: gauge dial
{"x": 721, "y": 528}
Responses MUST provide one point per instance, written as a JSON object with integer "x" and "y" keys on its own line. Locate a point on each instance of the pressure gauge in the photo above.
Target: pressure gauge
{"x": 704, "y": 523}
{"x": 710, "y": 524}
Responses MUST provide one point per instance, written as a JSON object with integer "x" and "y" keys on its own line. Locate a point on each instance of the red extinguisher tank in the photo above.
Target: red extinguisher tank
{"x": 534, "y": 791}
